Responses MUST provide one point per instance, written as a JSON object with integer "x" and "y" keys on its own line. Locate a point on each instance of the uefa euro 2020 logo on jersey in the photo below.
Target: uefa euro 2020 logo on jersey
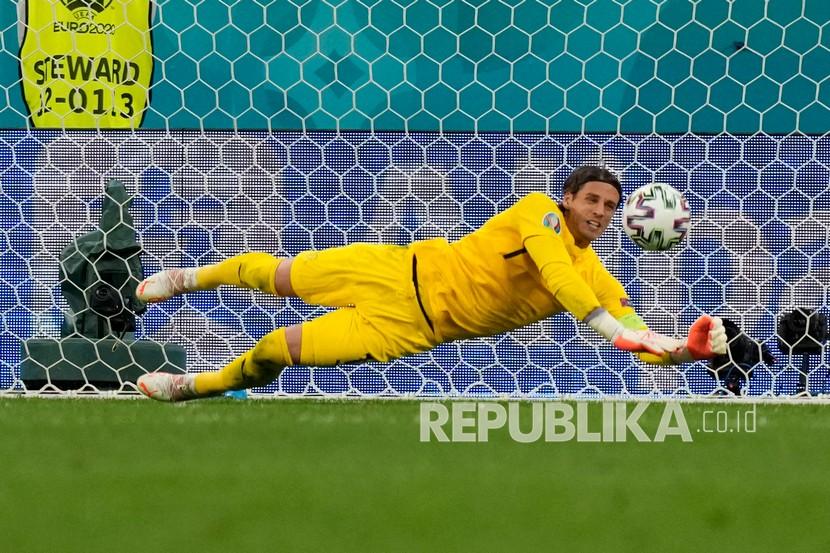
{"x": 551, "y": 221}
{"x": 86, "y": 9}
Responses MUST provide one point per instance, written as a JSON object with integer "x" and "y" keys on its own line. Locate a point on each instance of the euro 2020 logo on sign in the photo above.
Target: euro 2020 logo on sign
{"x": 86, "y": 9}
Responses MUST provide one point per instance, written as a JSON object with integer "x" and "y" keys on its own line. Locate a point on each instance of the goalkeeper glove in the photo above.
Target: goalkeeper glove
{"x": 707, "y": 339}
{"x": 630, "y": 340}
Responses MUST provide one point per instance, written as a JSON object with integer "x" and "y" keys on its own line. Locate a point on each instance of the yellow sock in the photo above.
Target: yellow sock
{"x": 249, "y": 270}
{"x": 256, "y": 367}
{"x": 228, "y": 378}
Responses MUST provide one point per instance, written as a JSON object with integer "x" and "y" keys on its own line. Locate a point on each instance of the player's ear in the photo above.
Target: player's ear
{"x": 567, "y": 198}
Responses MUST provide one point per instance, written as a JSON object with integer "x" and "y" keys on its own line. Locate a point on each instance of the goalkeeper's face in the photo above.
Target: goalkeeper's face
{"x": 590, "y": 210}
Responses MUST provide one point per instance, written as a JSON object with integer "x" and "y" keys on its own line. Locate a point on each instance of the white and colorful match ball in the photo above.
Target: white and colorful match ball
{"x": 656, "y": 216}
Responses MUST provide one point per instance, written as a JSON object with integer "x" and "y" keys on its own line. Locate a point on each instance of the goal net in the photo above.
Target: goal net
{"x": 283, "y": 127}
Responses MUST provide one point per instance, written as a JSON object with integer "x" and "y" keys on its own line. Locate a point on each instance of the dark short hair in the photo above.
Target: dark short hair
{"x": 588, "y": 173}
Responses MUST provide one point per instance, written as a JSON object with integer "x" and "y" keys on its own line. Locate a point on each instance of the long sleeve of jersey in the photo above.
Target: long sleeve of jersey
{"x": 569, "y": 289}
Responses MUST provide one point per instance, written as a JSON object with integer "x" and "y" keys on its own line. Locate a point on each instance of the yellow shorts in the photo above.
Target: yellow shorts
{"x": 378, "y": 314}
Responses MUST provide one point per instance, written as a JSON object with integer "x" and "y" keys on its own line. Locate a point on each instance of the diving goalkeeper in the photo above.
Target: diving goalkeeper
{"x": 526, "y": 263}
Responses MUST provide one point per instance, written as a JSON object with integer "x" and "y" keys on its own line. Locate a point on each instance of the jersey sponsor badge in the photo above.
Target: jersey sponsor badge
{"x": 551, "y": 221}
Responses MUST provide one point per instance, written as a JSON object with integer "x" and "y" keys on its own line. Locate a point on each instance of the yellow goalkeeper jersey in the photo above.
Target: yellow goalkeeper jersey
{"x": 520, "y": 267}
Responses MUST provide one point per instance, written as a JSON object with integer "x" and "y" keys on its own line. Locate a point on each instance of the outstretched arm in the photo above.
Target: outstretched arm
{"x": 575, "y": 295}
{"x": 601, "y": 301}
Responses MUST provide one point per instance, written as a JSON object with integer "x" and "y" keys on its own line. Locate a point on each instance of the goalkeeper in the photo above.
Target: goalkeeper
{"x": 525, "y": 264}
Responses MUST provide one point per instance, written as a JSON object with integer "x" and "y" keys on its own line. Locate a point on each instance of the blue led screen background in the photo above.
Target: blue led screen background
{"x": 757, "y": 247}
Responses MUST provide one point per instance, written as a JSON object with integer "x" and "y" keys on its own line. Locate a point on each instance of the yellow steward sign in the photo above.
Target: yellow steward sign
{"x": 87, "y": 64}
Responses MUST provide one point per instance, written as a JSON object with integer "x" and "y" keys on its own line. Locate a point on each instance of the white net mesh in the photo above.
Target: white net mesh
{"x": 420, "y": 119}
{"x": 749, "y": 264}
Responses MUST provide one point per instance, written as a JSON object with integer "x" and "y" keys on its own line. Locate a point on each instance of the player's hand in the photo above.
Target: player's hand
{"x": 707, "y": 338}
{"x": 646, "y": 341}
{"x": 637, "y": 341}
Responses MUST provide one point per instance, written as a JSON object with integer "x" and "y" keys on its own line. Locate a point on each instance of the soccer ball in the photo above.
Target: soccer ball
{"x": 656, "y": 217}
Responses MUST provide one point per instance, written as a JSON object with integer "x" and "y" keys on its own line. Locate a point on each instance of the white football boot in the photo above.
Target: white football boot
{"x": 166, "y": 284}
{"x": 168, "y": 387}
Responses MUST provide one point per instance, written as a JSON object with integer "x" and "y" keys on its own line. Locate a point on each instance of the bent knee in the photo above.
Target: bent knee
{"x": 269, "y": 357}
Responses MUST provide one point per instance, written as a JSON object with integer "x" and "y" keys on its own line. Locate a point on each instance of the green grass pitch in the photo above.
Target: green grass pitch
{"x": 304, "y": 475}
